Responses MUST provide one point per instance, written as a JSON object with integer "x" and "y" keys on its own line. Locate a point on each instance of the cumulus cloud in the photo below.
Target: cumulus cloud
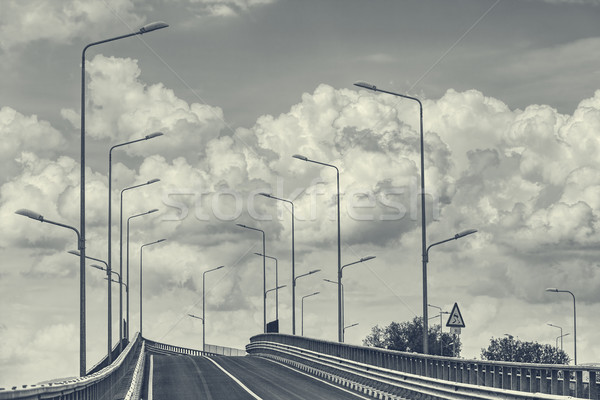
{"x": 224, "y": 8}
{"x": 60, "y": 21}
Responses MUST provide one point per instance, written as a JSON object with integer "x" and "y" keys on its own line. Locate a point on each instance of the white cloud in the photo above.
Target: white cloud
{"x": 60, "y": 21}
{"x": 224, "y": 8}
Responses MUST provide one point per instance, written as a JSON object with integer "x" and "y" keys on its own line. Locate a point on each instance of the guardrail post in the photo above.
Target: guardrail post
{"x": 497, "y": 376}
{"x": 553, "y": 381}
{"x": 593, "y": 391}
{"x": 543, "y": 381}
{"x": 579, "y": 384}
{"x": 566, "y": 383}
{"x": 505, "y": 377}
{"x": 523, "y": 380}
{"x": 489, "y": 377}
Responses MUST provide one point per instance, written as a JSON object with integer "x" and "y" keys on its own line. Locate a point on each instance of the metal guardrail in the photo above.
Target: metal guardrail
{"x": 225, "y": 351}
{"x": 212, "y": 350}
{"x": 380, "y": 366}
{"x": 99, "y": 385}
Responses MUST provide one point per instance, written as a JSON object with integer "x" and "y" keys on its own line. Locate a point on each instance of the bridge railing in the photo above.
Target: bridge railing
{"x": 551, "y": 379}
{"x": 103, "y": 384}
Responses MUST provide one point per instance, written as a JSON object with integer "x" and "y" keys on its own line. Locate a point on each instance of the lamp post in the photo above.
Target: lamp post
{"x": 425, "y": 261}
{"x": 276, "y": 284}
{"x": 349, "y": 326}
{"x": 343, "y": 296}
{"x": 276, "y": 289}
{"x": 302, "y": 310}
{"x": 306, "y": 274}
{"x": 81, "y": 247}
{"x": 293, "y": 260}
{"x": 147, "y": 137}
{"x": 574, "y": 318}
{"x": 145, "y": 29}
{"x": 264, "y": 274}
{"x": 121, "y": 333}
{"x": 128, "y": 219}
{"x": 441, "y": 338}
{"x": 339, "y": 242}
{"x": 561, "y": 340}
{"x": 374, "y": 88}
{"x": 203, "y": 304}
{"x": 341, "y": 275}
{"x": 141, "y": 286}
{"x": 561, "y": 335}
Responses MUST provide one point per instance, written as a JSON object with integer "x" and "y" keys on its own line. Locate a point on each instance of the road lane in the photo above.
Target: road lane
{"x": 181, "y": 377}
{"x": 271, "y": 380}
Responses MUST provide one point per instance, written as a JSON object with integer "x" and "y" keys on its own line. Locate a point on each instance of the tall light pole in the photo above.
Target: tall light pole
{"x": 204, "y": 304}
{"x": 302, "y": 309}
{"x": 128, "y": 219}
{"x": 339, "y": 242}
{"x": 425, "y": 261}
{"x": 147, "y": 137}
{"x": 339, "y": 284}
{"x": 341, "y": 275}
{"x": 145, "y": 29}
{"x": 109, "y": 297}
{"x": 121, "y": 333}
{"x": 561, "y": 335}
{"x": 574, "y": 318}
{"x": 306, "y": 274}
{"x": 276, "y": 290}
{"x": 293, "y": 260}
{"x": 141, "y": 286}
{"x": 276, "y": 284}
{"x": 81, "y": 247}
{"x": 264, "y": 274}
{"x": 441, "y": 338}
{"x": 374, "y": 88}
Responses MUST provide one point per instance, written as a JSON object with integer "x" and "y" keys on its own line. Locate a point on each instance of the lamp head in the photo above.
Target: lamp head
{"x": 74, "y": 252}
{"x": 151, "y": 181}
{"x": 219, "y": 267}
{"x": 367, "y": 258}
{"x": 300, "y": 157}
{"x": 259, "y": 254}
{"x": 552, "y": 289}
{"x": 241, "y": 225}
{"x": 464, "y": 233}
{"x": 366, "y": 85}
{"x": 161, "y": 240}
{"x": 30, "y": 214}
{"x": 97, "y": 267}
{"x": 152, "y": 211}
{"x": 153, "y": 135}
{"x": 313, "y": 271}
{"x": 265, "y": 194}
{"x": 152, "y": 27}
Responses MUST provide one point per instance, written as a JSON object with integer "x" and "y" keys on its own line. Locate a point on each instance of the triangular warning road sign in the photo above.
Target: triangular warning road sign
{"x": 455, "y": 320}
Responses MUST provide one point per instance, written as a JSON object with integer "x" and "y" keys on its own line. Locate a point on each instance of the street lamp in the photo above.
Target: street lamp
{"x": 339, "y": 284}
{"x": 341, "y": 275}
{"x": 302, "y": 309}
{"x": 128, "y": 219}
{"x": 425, "y": 261}
{"x": 339, "y": 269}
{"x": 293, "y": 260}
{"x": 145, "y": 29}
{"x": 81, "y": 247}
{"x": 349, "y": 326}
{"x": 374, "y": 88}
{"x": 203, "y": 304}
{"x": 264, "y": 274}
{"x": 147, "y": 137}
{"x": 276, "y": 284}
{"x": 109, "y": 297}
{"x": 306, "y": 274}
{"x": 121, "y": 258}
{"x": 441, "y": 339}
{"x": 561, "y": 340}
{"x": 276, "y": 290}
{"x": 561, "y": 335}
{"x": 201, "y": 319}
{"x": 141, "y": 286}
{"x": 574, "y": 318}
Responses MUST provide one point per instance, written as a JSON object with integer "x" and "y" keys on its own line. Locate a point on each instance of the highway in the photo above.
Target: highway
{"x": 186, "y": 377}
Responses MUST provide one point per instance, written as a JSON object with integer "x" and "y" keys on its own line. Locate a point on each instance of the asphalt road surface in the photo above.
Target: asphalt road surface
{"x": 184, "y": 377}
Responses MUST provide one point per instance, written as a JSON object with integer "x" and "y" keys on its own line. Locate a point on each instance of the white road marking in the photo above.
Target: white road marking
{"x": 151, "y": 374}
{"x": 234, "y": 379}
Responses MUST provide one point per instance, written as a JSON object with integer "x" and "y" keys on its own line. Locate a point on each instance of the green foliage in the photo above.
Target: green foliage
{"x": 509, "y": 349}
{"x": 408, "y": 336}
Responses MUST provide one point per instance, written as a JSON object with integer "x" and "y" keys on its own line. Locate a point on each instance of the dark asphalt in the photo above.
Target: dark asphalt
{"x": 186, "y": 377}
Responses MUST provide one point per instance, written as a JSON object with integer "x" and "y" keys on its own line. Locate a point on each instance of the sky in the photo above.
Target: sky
{"x": 511, "y": 114}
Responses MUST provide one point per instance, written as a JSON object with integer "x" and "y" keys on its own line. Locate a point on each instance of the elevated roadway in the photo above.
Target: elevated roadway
{"x": 171, "y": 376}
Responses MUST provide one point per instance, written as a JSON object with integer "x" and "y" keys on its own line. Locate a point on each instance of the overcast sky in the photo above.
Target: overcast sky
{"x": 511, "y": 111}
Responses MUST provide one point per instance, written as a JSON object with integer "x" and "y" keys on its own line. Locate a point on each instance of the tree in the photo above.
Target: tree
{"x": 408, "y": 336}
{"x": 509, "y": 349}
